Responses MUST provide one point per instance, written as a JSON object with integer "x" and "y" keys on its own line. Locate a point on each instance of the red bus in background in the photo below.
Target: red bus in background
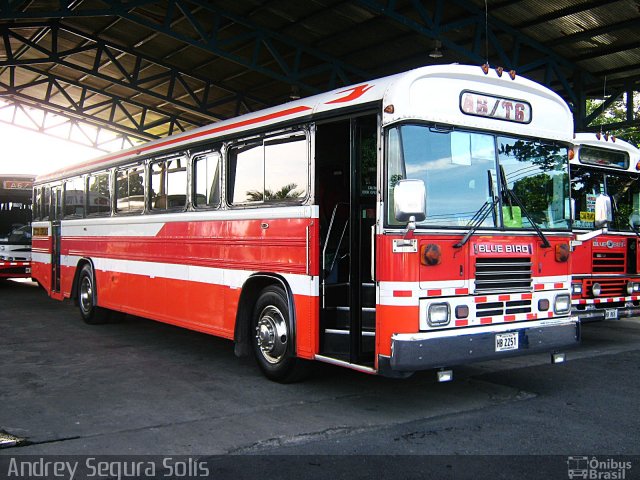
{"x": 606, "y": 265}
{"x": 15, "y": 225}
{"x": 418, "y": 221}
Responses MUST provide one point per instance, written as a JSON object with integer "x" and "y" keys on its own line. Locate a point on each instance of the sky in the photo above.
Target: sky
{"x": 30, "y": 152}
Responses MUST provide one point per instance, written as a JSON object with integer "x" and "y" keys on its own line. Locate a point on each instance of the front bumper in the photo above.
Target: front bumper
{"x": 446, "y": 348}
{"x": 600, "y": 313}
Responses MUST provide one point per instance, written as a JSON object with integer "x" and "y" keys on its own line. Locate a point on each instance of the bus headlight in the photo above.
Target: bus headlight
{"x": 576, "y": 289}
{"x": 633, "y": 287}
{"x": 596, "y": 289}
{"x": 562, "y": 304}
{"x": 438, "y": 314}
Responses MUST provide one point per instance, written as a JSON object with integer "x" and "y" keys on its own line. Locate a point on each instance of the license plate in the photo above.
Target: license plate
{"x": 610, "y": 314}
{"x": 506, "y": 341}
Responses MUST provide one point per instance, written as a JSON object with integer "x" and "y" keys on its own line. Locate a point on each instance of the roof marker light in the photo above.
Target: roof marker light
{"x": 499, "y": 71}
{"x": 485, "y": 68}
{"x": 598, "y": 136}
{"x": 512, "y": 74}
{"x": 572, "y": 154}
{"x": 389, "y": 109}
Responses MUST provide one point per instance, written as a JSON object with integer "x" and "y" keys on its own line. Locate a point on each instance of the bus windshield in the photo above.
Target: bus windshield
{"x": 623, "y": 188}
{"x": 465, "y": 171}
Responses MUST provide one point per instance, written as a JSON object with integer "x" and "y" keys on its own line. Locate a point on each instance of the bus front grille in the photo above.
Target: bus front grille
{"x": 502, "y": 275}
{"x": 608, "y": 262}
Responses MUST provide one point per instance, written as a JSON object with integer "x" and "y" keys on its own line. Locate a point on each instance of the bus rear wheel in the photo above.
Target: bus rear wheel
{"x": 272, "y": 340}
{"x": 90, "y": 313}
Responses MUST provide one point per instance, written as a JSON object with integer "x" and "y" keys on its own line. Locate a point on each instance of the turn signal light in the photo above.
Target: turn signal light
{"x": 462, "y": 311}
{"x": 562, "y": 252}
{"x": 430, "y": 254}
{"x": 572, "y": 153}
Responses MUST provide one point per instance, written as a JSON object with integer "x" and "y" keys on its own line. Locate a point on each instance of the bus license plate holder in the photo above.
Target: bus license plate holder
{"x": 506, "y": 341}
{"x": 611, "y": 314}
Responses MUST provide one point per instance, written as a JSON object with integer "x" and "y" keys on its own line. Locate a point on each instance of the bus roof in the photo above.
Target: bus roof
{"x": 431, "y": 93}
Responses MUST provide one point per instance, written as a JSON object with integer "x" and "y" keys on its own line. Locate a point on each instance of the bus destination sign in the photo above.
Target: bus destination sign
{"x": 17, "y": 185}
{"x": 483, "y": 105}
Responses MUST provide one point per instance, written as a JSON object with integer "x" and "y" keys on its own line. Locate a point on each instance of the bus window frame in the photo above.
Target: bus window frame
{"x": 149, "y": 208}
{"x": 94, "y": 174}
{"x": 65, "y": 215}
{"x": 193, "y": 178}
{"x": 264, "y": 139}
{"x": 114, "y": 189}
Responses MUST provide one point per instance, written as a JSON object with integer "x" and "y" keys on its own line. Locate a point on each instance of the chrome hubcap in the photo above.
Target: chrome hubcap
{"x": 86, "y": 295}
{"x": 271, "y": 334}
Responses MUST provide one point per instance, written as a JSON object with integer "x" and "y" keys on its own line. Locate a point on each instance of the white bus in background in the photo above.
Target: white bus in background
{"x": 605, "y": 261}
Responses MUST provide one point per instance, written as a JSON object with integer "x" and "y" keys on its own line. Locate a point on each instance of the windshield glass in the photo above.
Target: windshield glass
{"x": 463, "y": 170}
{"x": 623, "y": 188}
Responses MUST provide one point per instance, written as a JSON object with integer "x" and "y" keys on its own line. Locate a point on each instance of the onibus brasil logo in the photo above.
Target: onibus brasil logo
{"x": 596, "y": 469}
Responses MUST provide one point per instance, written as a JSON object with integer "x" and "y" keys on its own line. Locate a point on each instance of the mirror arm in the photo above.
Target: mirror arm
{"x": 588, "y": 236}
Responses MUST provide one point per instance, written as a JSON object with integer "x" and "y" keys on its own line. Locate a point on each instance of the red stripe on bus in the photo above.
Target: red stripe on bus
{"x": 504, "y": 298}
{"x": 462, "y": 291}
{"x": 480, "y": 299}
{"x": 402, "y": 293}
{"x": 509, "y": 318}
{"x": 538, "y": 286}
{"x": 485, "y": 320}
{"x": 462, "y": 323}
{"x": 434, "y": 293}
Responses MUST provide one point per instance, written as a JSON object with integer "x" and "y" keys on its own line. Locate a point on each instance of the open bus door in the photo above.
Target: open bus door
{"x": 55, "y": 216}
{"x": 346, "y": 175}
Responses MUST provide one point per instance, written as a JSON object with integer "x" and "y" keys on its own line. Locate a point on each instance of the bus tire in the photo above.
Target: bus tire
{"x": 89, "y": 311}
{"x": 271, "y": 338}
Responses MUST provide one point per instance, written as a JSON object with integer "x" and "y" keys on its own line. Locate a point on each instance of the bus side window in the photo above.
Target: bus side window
{"x": 36, "y": 203}
{"x": 74, "y": 198}
{"x": 98, "y": 194}
{"x": 46, "y": 202}
{"x": 286, "y": 169}
{"x": 130, "y": 189}
{"x": 206, "y": 173}
{"x": 168, "y": 184}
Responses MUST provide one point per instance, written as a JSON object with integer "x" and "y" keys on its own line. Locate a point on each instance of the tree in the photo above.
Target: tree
{"x": 287, "y": 191}
{"x": 617, "y": 112}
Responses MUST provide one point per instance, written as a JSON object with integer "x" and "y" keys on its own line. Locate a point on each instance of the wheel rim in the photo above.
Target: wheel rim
{"x": 86, "y": 294}
{"x": 271, "y": 334}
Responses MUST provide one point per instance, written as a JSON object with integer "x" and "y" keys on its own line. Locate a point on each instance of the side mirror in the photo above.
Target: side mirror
{"x": 603, "y": 211}
{"x": 410, "y": 201}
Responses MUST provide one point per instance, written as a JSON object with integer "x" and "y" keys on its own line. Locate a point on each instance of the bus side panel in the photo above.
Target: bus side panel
{"x": 307, "y": 322}
{"x": 392, "y": 319}
{"x": 41, "y": 258}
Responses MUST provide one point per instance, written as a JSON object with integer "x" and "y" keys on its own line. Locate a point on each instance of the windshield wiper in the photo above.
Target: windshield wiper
{"x": 513, "y": 197}
{"x": 480, "y": 216}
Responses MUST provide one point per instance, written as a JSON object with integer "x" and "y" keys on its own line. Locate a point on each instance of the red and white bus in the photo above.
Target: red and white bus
{"x": 15, "y": 226}
{"x": 606, "y": 275}
{"x": 417, "y": 221}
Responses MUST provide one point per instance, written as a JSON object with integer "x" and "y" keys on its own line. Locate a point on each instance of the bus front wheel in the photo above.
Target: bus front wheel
{"x": 271, "y": 338}
{"x": 89, "y": 312}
